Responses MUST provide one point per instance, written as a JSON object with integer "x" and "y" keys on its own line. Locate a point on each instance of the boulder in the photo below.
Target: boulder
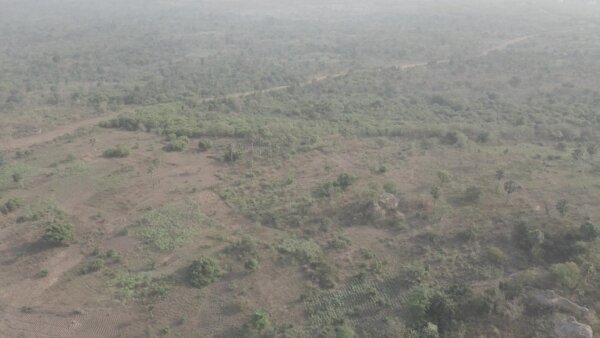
{"x": 571, "y": 328}
{"x": 550, "y": 299}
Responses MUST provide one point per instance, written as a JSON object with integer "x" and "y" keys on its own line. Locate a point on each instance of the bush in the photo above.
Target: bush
{"x": 117, "y": 152}
{"x": 566, "y": 274}
{"x": 10, "y": 206}
{"x": 177, "y": 144}
{"x": 204, "y": 145}
{"x": 93, "y": 266}
{"x": 472, "y": 194}
{"x": 496, "y": 255}
{"x": 345, "y": 331}
{"x": 203, "y": 272}
{"x": 344, "y": 181}
{"x": 251, "y": 264}
{"x": 58, "y": 233}
{"x": 258, "y": 325}
{"x": 232, "y": 154}
{"x": 589, "y": 231}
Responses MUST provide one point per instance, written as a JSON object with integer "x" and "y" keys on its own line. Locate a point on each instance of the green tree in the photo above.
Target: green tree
{"x": 499, "y": 177}
{"x": 566, "y": 274}
{"x": 443, "y": 177}
{"x": 344, "y": 331}
{"x": 344, "y": 181}
{"x": 510, "y": 187}
{"x": 592, "y": 149}
{"x": 435, "y": 193}
{"x": 232, "y": 153}
{"x": 204, "y": 145}
{"x": 18, "y": 178}
{"x": 562, "y": 206}
{"x": 203, "y": 272}
{"x": 58, "y": 233}
{"x": 258, "y": 325}
{"x": 577, "y": 154}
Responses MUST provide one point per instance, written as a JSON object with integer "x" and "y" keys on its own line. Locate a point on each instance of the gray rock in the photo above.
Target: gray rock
{"x": 571, "y": 328}
{"x": 550, "y": 299}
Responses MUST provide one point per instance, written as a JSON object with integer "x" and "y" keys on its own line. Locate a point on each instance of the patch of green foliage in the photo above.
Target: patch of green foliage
{"x": 10, "y": 206}
{"x": 170, "y": 226}
{"x": 203, "y": 272}
{"x": 58, "y": 233}
{"x": 117, "y": 152}
{"x": 128, "y": 285}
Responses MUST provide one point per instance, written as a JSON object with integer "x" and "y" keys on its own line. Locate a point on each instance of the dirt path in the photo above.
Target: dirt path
{"x": 28, "y": 141}
{"x": 25, "y": 142}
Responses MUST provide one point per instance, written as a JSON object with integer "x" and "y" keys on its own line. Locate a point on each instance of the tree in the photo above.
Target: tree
{"x": 435, "y": 193}
{"x": 258, "y": 325}
{"x": 204, "y": 145}
{"x": 510, "y": 187}
{"x": 344, "y": 331}
{"x": 58, "y": 233}
{"x": 577, "y": 154}
{"x": 499, "y": 177}
{"x": 204, "y": 271}
{"x": 18, "y": 178}
{"x": 443, "y": 177}
{"x": 344, "y": 180}
{"x": 592, "y": 149}
{"x": 232, "y": 154}
{"x": 562, "y": 206}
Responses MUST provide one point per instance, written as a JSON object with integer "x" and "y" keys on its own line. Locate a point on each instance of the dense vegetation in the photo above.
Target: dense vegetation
{"x": 421, "y": 169}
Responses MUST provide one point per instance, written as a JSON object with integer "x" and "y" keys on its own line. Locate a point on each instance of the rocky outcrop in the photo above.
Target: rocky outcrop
{"x": 551, "y": 300}
{"x": 571, "y": 328}
{"x": 386, "y": 206}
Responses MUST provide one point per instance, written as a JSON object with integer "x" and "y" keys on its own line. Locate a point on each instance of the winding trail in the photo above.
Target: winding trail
{"x": 28, "y": 141}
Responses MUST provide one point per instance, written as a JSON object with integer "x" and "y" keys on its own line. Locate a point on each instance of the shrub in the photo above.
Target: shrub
{"x": 562, "y": 206}
{"x": 10, "y": 206}
{"x": 204, "y": 145}
{"x": 232, "y": 153}
{"x": 245, "y": 246}
{"x": 345, "y": 331}
{"x": 258, "y": 324}
{"x": 251, "y": 264}
{"x": 472, "y": 194}
{"x": 93, "y": 266}
{"x": 344, "y": 181}
{"x": 589, "y": 231}
{"x": 58, "y": 233}
{"x": 496, "y": 255}
{"x": 177, "y": 144}
{"x": 117, "y": 152}
{"x": 203, "y": 272}
{"x": 566, "y": 274}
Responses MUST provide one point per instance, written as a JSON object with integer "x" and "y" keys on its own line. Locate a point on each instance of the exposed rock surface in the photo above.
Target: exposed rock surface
{"x": 385, "y": 206}
{"x": 571, "y": 328}
{"x": 550, "y": 299}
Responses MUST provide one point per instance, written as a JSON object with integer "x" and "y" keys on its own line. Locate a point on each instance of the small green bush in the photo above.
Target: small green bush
{"x": 93, "y": 266}
{"x": 203, "y": 272}
{"x": 472, "y": 194}
{"x": 204, "y": 145}
{"x": 117, "y": 152}
{"x": 58, "y": 233}
{"x": 10, "y": 206}
{"x": 258, "y": 325}
{"x": 232, "y": 154}
{"x": 177, "y": 144}
{"x": 251, "y": 264}
{"x": 566, "y": 274}
{"x": 496, "y": 255}
{"x": 589, "y": 231}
